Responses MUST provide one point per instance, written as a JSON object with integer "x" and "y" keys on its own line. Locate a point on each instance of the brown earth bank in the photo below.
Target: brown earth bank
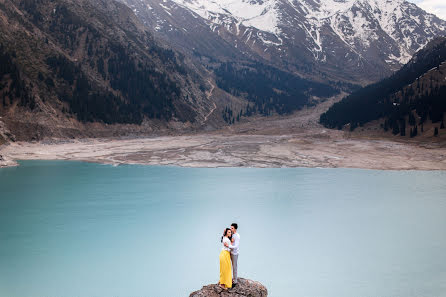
{"x": 296, "y": 140}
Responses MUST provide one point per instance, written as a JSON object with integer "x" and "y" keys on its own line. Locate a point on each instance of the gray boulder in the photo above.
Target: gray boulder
{"x": 244, "y": 288}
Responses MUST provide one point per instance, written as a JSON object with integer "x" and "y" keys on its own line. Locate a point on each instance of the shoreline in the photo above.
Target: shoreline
{"x": 16, "y": 164}
{"x": 296, "y": 140}
{"x": 237, "y": 150}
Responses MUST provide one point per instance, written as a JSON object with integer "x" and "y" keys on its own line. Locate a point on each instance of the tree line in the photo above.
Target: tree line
{"x": 269, "y": 89}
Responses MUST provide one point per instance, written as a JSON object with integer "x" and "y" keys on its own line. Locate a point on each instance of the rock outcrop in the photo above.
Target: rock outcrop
{"x": 244, "y": 288}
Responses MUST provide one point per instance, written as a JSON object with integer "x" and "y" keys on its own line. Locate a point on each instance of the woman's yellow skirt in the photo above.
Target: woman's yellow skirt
{"x": 225, "y": 269}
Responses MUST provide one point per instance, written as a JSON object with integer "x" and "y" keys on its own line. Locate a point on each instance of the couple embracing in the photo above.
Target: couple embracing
{"x": 228, "y": 255}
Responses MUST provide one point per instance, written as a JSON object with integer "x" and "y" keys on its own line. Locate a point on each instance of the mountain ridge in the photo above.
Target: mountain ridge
{"x": 310, "y": 38}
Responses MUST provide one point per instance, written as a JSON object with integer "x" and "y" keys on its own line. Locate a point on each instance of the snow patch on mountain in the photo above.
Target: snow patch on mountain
{"x": 257, "y": 14}
{"x": 359, "y": 22}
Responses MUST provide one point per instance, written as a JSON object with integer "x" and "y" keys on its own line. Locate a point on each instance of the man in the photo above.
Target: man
{"x": 234, "y": 252}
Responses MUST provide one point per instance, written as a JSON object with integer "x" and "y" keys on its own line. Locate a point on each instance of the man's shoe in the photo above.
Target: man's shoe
{"x": 234, "y": 284}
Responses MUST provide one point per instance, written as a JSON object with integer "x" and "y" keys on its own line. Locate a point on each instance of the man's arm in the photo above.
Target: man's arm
{"x": 234, "y": 245}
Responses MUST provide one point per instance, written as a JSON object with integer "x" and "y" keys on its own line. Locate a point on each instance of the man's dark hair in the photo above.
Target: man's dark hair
{"x": 234, "y": 225}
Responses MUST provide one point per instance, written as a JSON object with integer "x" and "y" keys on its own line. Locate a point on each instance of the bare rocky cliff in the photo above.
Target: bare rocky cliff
{"x": 244, "y": 288}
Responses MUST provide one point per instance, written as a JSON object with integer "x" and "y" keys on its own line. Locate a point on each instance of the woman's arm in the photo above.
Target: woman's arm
{"x": 227, "y": 243}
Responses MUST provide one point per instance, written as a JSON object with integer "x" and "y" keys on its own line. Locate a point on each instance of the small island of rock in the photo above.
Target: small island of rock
{"x": 244, "y": 288}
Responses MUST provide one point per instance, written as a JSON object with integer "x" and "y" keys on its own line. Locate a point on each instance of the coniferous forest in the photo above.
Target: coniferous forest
{"x": 270, "y": 89}
{"x": 409, "y": 97}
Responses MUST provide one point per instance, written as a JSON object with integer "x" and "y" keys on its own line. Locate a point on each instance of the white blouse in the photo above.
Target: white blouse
{"x": 225, "y": 239}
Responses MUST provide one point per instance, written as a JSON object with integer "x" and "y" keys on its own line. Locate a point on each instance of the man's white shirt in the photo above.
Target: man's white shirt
{"x": 236, "y": 243}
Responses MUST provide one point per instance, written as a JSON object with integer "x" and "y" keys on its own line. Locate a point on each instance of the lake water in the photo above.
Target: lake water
{"x": 73, "y": 229}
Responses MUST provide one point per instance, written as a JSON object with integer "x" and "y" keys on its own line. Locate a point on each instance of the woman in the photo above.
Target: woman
{"x": 225, "y": 260}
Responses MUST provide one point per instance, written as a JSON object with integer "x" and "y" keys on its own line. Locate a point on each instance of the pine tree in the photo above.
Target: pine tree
{"x": 403, "y": 127}
{"x": 412, "y": 120}
{"x": 396, "y": 129}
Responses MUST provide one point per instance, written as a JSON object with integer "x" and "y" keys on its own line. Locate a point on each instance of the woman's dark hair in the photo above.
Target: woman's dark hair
{"x": 224, "y": 234}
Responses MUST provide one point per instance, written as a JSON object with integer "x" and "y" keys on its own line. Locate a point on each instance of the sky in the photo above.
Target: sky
{"x": 437, "y": 7}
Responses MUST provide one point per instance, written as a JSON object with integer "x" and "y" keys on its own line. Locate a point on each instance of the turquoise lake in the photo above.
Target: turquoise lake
{"x": 74, "y": 229}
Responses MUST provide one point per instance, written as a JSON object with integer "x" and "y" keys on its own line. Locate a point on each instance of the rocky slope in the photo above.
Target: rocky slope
{"x": 244, "y": 288}
{"x": 65, "y": 63}
{"x": 348, "y": 40}
{"x": 407, "y": 103}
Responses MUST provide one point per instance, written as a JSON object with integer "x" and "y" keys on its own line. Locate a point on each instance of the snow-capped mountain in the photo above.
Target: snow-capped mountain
{"x": 342, "y": 39}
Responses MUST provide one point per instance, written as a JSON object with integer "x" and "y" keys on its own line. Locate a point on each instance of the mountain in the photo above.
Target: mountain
{"x": 356, "y": 41}
{"x": 406, "y": 101}
{"x": 237, "y": 69}
{"x": 70, "y": 66}
{"x": 68, "y": 62}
